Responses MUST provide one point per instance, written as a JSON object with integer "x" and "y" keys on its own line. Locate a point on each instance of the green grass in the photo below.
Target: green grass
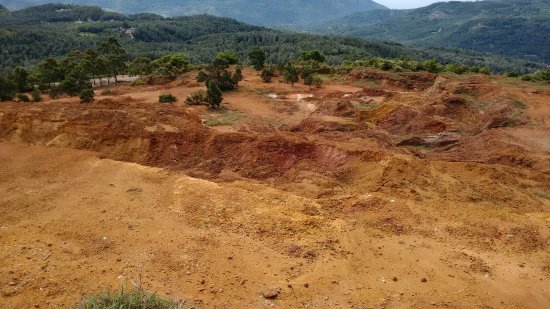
{"x": 519, "y": 103}
{"x": 542, "y": 194}
{"x": 132, "y": 299}
{"x": 222, "y": 118}
{"x": 366, "y": 107}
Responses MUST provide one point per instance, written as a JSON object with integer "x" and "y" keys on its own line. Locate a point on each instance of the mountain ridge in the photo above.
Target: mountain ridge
{"x": 518, "y": 28}
{"x": 289, "y": 13}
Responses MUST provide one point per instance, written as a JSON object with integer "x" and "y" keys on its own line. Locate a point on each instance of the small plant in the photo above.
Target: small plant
{"x": 167, "y": 98}
{"x": 520, "y": 104}
{"x": 23, "y": 97}
{"x": 136, "y": 298}
{"x": 106, "y": 91}
{"x": 36, "y": 95}
{"x": 197, "y": 98}
{"x": 86, "y": 95}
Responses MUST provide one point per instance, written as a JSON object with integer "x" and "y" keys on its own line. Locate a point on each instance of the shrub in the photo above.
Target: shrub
{"x": 107, "y": 92}
{"x": 126, "y": 299}
{"x": 138, "y": 82}
{"x": 54, "y": 92}
{"x": 214, "y": 95}
{"x": 317, "y": 81}
{"x": 197, "y": 98}
{"x": 267, "y": 74}
{"x": 167, "y": 98}
{"x": 36, "y": 95}
{"x": 23, "y": 97}
{"x": 86, "y": 95}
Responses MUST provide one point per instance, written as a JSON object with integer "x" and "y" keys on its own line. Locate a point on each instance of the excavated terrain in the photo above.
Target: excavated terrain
{"x": 378, "y": 190}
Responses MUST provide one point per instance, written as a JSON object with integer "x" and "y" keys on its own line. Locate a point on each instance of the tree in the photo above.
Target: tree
{"x": 113, "y": 55}
{"x": 92, "y": 65}
{"x": 432, "y": 66}
{"x": 20, "y": 77}
{"x": 306, "y": 72}
{"x": 7, "y": 89}
{"x": 238, "y": 75}
{"x": 170, "y": 65}
{"x": 313, "y": 55}
{"x": 86, "y": 95}
{"x": 290, "y": 74}
{"x": 267, "y": 74}
{"x": 49, "y": 72}
{"x": 257, "y": 57}
{"x": 214, "y": 95}
{"x": 140, "y": 66}
{"x": 224, "y": 59}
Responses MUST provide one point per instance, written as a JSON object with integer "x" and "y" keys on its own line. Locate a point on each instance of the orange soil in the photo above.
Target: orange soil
{"x": 346, "y": 199}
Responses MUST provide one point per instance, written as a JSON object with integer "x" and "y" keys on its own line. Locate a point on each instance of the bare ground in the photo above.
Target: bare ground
{"x": 380, "y": 190}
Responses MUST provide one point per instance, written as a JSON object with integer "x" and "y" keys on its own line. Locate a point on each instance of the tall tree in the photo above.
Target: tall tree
{"x": 20, "y": 77}
{"x": 50, "y": 72}
{"x": 257, "y": 57}
{"x": 114, "y": 56}
{"x": 291, "y": 74}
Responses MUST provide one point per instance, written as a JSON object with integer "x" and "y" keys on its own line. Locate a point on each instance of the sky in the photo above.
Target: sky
{"x": 408, "y": 4}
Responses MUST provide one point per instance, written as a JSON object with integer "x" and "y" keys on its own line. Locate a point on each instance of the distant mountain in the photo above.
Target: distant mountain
{"x": 282, "y": 13}
{"x": 30, "y": 35}
{"x": 517, "y": 28}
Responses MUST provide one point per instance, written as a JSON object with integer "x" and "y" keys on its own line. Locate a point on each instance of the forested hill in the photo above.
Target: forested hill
{"x": 517, "y": 28}
{"x": 30, "y": 35}
{"x": 257, "y": 12}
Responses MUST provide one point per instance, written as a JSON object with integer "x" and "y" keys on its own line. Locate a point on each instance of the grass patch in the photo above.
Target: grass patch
{"x": 366, "y": 107}
{"x": 106, "y": 92}
{"x": 473, "y": 102}
{"x": 131, "y": 299}
{"x": 519, "y": 103}
{"x": 542, "y": 194}
{"x": 222, "y": 118}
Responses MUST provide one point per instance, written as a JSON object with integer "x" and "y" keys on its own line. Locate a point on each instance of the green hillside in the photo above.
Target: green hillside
{"x": 517, "y": 28}
{"x": 285, "y": 13}
{"x": 33, "y": 34}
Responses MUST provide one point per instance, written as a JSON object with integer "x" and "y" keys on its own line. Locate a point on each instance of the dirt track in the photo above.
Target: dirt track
{"x": 387, "y": 180}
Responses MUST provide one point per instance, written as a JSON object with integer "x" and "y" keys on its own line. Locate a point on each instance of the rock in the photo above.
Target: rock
{"x": 394, "y": 279}
{"x": 306, "y": 285}
{"x": 424, "y": 280}
{"x": 12, "y": 283}
{"x": 271, "y": 293}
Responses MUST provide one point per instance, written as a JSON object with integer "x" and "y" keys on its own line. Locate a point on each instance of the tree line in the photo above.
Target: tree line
{"x": 77, "y": 72}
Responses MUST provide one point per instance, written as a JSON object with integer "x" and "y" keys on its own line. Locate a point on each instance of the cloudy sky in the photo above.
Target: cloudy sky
{"x": 407, "y": 4}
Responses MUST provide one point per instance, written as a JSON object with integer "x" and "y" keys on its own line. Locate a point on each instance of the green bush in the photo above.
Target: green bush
{"x": 167, "y": 98}
{"x": 23, "y": 97}
{"x": 317, "y": 81}
{"x": 86, "y": 95}
{"x": 267, "y": 74}
{"x": 36, "y": 95}
{"x": 133, "y": 299}
{"x": 197, "y": 98}
{"x": 214, "y": 95}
